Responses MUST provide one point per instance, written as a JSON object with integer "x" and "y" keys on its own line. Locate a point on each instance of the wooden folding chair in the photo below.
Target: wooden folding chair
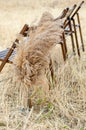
{"x": 68, "y": 31}
{"x": 66, "y": 14}
{"x": 7, "y": 55}
{"x": 72, "y": 27}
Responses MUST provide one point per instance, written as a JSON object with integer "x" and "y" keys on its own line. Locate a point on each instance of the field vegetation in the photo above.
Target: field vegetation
{"x": 64, "y": 106}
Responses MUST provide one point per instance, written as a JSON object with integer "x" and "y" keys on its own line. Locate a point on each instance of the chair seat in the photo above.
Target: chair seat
{"x": 4, "y": 53}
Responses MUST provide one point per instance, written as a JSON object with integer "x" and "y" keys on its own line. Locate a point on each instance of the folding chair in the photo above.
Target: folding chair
{"x": 7, "y": 55}
{"x": 72, "y": 27}
{"x": 68, "y": 31}
{"x": 66, "y": 14}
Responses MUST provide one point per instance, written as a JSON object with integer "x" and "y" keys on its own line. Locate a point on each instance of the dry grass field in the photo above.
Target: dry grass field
{"x": 64, "y": 107}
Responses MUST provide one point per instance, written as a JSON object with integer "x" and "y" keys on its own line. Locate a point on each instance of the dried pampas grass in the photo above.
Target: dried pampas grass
{"x": 32, "y": 58}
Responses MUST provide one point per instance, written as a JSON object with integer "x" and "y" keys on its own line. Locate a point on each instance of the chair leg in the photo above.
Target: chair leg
{"x": 76, "y": 38}
{"x": 72, "y": 38}
{"x": 65, "y": 46}
{"x": 63, "y": 51}
{"x": 29, "y": 103}
{"x": 51, "y": 68}
{"x": 80, "y": 31}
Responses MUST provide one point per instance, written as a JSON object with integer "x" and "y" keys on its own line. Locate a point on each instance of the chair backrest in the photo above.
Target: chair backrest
{"x": 70, "y": 12}
{"x": 63, "y": 14}
{"x": 23, "y": 32}
{"x": 73, "y": 12}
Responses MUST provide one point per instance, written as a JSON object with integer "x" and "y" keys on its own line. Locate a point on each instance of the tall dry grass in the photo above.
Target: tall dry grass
{"x": 64, "y": 107}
